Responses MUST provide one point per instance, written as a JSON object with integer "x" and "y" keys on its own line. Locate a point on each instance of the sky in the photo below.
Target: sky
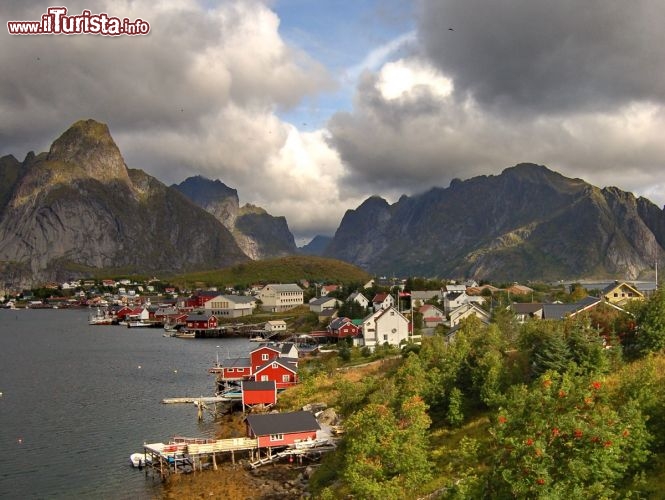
{"x": 308, "y": 107}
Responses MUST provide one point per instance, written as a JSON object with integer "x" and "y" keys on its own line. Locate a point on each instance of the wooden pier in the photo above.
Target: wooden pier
{"x": 187, "y": 455}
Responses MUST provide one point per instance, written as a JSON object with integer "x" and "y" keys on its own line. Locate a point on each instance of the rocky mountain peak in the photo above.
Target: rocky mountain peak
{"x": 88, "y": 146}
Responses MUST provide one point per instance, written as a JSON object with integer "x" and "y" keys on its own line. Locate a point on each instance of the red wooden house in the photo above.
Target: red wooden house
{"x": 258, "y": 393}
{"x": 201, "y": 322}
{"x": 262, "y": 354}
{"x": 341, "y": 328}
{"x": 202, "y": 296}
{"x": 283, "y": 371}
{"x": 233, "y": 370}
{"x": 282, "y": 429}
{"x": 122, "y": 313}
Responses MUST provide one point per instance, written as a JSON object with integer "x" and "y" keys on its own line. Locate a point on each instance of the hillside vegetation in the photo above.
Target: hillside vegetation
{"x": 544, "y": 410}
{"x": 290, "y": 269}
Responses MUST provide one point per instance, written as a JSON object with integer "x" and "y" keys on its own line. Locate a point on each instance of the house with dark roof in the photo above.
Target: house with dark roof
{"x": 432, "y": 315}
{"x": 282, "y": 429}
{"x": 258, "y": 393}
{"x": 342, "y": 328}
{"x": 322, "y": 303}
{"x": 382, "y": 301}
{"x": 359, "y": 299}
{"x": 527, "y": 310}
{"x": 282, "y": 371}
{"x": 201, "y": 322}
{"x": 621, "y": 293}
{"x": 231, "y": 306}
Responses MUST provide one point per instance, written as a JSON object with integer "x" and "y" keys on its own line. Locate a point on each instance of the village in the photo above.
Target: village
{"x": 387, "y": 315}
{"x": 290, "y": 325}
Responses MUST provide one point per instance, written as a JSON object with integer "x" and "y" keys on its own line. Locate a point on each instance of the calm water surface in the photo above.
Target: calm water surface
{"x": 77, "y": 400}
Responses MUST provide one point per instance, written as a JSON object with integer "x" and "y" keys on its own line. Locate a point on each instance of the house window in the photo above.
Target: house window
{"x": 274, "y": 365}
{"x": 286, "y": 378}
{"x": 230, "y": 370}
{"x": 385, "y": 337}
{"x": 264, "y": 378}
{"x": 276, "y": 437}
{"x": 264, "y": 357}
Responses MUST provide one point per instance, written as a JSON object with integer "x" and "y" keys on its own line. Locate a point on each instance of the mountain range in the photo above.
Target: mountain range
{"x": 78, "y": 209}
{"x": 526, "y": 223}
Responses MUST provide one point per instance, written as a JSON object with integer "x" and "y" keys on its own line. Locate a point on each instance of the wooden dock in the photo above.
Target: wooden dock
{"x": 203, "y": 399}
{"x": 184, "y": 455}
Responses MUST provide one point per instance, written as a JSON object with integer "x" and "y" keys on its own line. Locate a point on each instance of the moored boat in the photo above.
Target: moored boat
{"x": 138, "y": 459}
{"x": 101, "y": 317}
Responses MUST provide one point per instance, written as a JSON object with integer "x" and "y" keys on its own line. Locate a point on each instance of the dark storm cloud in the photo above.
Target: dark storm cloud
{"x": 548, "y": 56}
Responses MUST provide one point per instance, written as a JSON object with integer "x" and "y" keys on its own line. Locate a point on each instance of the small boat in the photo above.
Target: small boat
{"x": 101, "y": 317}
{"x": 137, "y": 324}
{"x": 138, "y": 459}
{"x": 185, "y": 335}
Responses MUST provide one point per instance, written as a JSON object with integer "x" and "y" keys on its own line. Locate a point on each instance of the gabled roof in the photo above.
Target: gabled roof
{"x": 427, "y": 307}
{"x": 379, "y": 297}
{"x": 322, "y": 300}
{"x": 266, "y": 345}
{"x": 354, "y": 295}
{"x": 386, "y": 311}
{"x": 290, "y": 364}
{"x": 282, "y": 423}
{"x": 339, "y": 322}
{"x": 614, "y": 286}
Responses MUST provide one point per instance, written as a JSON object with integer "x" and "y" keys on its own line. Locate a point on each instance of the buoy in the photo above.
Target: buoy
{"x": 20, "y": 440}
{"x": 175, "y": 371}
{"x": 139, "y": 367}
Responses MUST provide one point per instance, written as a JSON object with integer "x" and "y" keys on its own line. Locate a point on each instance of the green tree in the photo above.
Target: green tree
{"x": 563, "y": 437}
{"x": 650, "y": 319}
{"x": 386, "y": 455}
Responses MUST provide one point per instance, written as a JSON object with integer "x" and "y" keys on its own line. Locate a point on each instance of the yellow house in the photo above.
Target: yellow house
{"x": 620, "y": 293}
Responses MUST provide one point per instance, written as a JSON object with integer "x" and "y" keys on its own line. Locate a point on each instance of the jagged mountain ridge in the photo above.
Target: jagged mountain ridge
{"x": 259, "y": 234}
{"x": 78, "y": 208}
{"x": 526, "y": 223}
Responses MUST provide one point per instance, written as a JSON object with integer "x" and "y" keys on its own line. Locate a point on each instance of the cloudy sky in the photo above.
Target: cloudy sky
{"x": 307, "y": 107}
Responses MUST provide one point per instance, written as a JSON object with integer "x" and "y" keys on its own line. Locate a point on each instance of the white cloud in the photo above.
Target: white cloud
{"x": 399, "y": 78}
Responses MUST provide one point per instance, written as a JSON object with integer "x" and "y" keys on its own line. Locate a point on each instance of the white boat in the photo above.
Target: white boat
{"x": 101, "y": 317}
{"x": 138, "y": 459}
{"x": 137, "y": 324}
{"x": 185, "y": 335}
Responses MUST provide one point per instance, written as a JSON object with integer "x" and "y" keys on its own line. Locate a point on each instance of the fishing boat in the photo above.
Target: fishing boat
{"x": 101, "y": 317}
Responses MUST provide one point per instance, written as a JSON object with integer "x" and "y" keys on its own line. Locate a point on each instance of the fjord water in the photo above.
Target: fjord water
{"x": 77, "y": 400}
